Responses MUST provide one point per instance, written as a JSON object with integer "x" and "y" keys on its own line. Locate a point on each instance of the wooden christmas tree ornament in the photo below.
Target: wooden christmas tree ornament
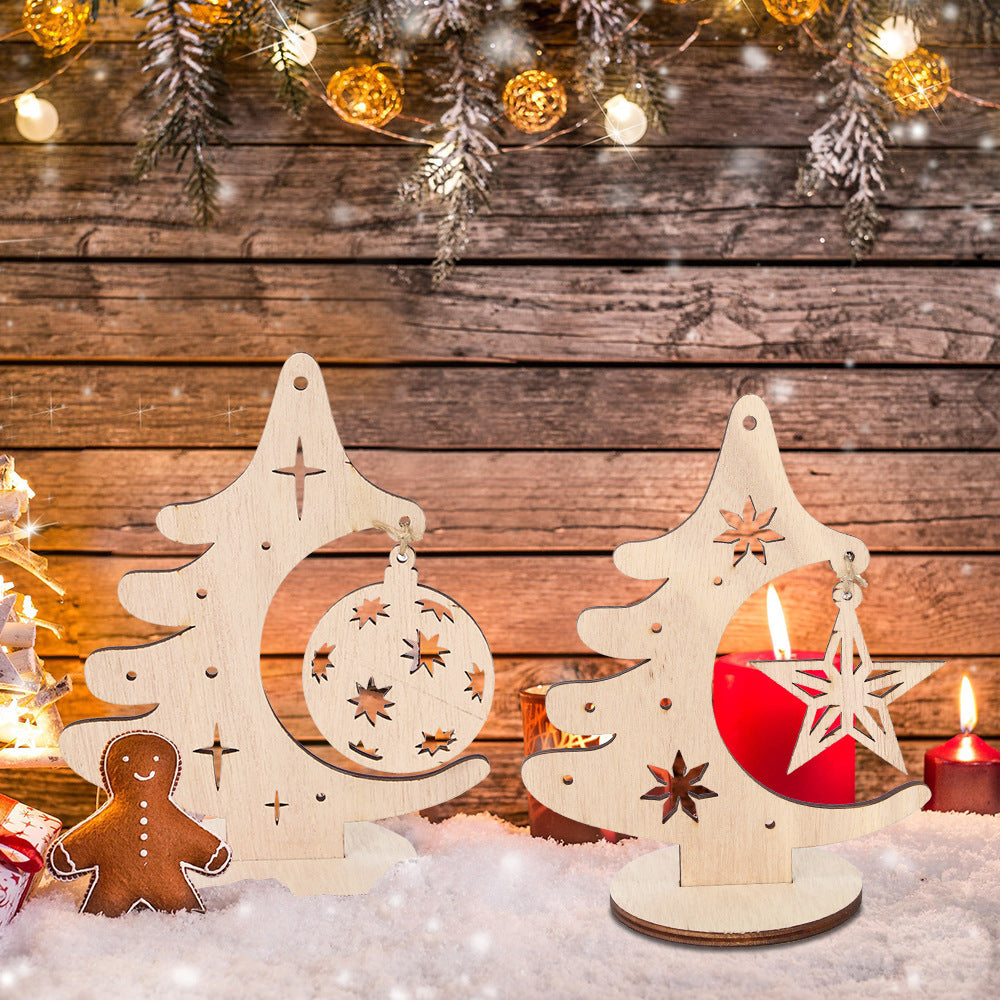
{"x": 745, "y": 869}
{"x": 398, "y": 676}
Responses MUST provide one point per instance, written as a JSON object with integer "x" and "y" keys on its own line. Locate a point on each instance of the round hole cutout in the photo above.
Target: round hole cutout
{"x": 201, "y": 593}
{"x": 656, "y": 627}
{"x": 404, "y": 521}
{"x": 300, "y": 382}
{"x": 567, "y": 779}
{"x": 665, "y": 703}
{"x": 265, "y": 545}
{"x": 749, "y": 423}
{"x": 717, "y": 581}
{"x": 321, "y": 797}
{"x": 589, "y": 707}
{"x": 769, "y": 826}
{"x": 131, "y": 675}
{"x": 211, "y": 672}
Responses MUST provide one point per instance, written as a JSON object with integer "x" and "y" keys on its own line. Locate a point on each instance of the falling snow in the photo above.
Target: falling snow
{"x": 486, "y": 911}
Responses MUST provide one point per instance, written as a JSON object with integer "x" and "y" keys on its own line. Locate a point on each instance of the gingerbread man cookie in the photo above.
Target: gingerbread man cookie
{"x": 139, "y": 846}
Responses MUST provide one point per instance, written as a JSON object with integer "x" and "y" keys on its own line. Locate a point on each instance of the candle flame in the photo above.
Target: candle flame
{"x": 968, "y": 706}
{"x": 780, "y": 642}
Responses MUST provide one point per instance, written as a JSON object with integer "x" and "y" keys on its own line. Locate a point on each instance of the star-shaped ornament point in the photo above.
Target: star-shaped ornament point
{"x": 748, "y": 532}
{"x": 679, "y": 787}
{"x": 371, "y": 701}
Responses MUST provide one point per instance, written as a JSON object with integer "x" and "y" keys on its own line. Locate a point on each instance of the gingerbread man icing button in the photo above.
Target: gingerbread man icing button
{"x": 139, "y": 846}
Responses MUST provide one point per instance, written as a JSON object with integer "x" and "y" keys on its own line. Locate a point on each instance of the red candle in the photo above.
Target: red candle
{"x": 760, "y": 723}
{"x": 964, "y": 773}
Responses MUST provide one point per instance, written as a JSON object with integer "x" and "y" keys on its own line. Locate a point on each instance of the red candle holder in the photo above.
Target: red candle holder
{"x": 760, "y": 723}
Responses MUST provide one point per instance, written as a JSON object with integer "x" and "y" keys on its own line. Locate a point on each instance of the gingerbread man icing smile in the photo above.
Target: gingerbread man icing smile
{"x": 139, "y": 846}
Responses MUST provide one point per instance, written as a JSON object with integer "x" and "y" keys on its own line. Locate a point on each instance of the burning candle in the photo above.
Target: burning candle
{"x": 964, "y": 773}
{"x": 760, "y": 722}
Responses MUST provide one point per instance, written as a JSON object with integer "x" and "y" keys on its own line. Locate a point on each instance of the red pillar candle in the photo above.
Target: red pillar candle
{"x": 964, "y": 773}
{"x": 760, "y": 722}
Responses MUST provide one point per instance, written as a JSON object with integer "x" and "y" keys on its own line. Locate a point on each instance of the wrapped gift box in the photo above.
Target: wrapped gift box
{"x": 25, "y": 836}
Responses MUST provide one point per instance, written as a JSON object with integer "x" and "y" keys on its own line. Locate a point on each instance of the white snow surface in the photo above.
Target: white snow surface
{"x": 486, "y": 911}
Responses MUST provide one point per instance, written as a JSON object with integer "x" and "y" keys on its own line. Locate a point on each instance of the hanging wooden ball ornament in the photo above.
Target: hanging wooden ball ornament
{"x": 55, "y": 25}
{"x": 364, "y": 95}
{"x": 534, "y": 101}
{"x": 397, "y": 676}
{"x": 791, "y": 12}
{"x": 918, "y": 82}
{"x": 211, "y": 13}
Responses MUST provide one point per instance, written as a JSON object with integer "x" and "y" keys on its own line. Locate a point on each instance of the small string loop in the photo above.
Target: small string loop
{"x": 402, "y": 535}
{"x": 849, "y": 578}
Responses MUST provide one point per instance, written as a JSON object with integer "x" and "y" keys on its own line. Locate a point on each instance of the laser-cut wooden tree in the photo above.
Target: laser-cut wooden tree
{"x": 667, "y": 774}
{"x": 288, "y": 815}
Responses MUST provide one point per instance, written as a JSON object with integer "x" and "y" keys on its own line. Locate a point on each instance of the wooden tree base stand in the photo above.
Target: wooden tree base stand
{"x": 825, "y": 891}
{"x": 370, "y": 850}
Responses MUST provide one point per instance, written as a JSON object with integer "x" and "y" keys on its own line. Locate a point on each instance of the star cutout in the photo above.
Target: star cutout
{"x": 369, "y": 611}
{"x": 277, "y": 806}
{"x": 359, "y": 747}
{"x": 371, "y": 701}
{"x": 439, "y": 741}
{"x": 477, "y": 682}
{"x": 436, "y": 608}
{"x": 321, "y": 661}
{"x": 299, "y": 470}
{"x": 847, "y": 700}
{"x": 218, "y": 751}
{"x": 749, "y": 532}
{"x": 680, "y": 788}
{"x": 425, "y": 653}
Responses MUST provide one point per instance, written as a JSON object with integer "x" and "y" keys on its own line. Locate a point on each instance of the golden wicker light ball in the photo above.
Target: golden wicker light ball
{"x": 364, "y": 95}
{"x": 55, "y": 25}
{"x": 211, "y": 13}
{"x": 791, "y": 11}
{"x": 534, "y": 101}
{"x": 918, "y": 82}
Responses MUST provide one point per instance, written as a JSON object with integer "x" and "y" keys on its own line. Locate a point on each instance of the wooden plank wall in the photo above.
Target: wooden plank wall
{"x": 564, "y": 391}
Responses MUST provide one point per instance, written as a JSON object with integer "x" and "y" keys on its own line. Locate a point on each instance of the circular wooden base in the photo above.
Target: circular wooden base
{"x": 370, "y": 851}
{"x": 647, "y": 896}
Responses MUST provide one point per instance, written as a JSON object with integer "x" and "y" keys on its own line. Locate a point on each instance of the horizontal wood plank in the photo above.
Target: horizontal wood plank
{"x": 712, "y": 87}
{"x": 63, "y": 794}
{"x": 496, "y": 407}
{"x": 231, "y": 311}
{"x": 586, "y": 203}
{"x": 916, "y": 605}
{"x": 929, "y": 710}
{"x": 103, "y": 500}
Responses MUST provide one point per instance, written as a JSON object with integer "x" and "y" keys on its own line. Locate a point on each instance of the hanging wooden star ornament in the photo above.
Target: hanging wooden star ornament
{"x": 383, "y": 673}
{"x": 745, "y": 870}
{"x": 844, "y": 698}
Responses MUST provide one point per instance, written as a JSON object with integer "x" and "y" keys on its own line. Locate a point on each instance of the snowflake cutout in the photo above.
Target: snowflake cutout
{"x": 747, "y": 533}
{"x": 680, "y": 788}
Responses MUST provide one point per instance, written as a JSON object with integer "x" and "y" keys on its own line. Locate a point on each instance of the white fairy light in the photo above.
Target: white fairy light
{"x": 297, "y": 45}
{"x": 896, "y": 38}
{"x": 625, "y": 120}
{"x": 37, "y": 119}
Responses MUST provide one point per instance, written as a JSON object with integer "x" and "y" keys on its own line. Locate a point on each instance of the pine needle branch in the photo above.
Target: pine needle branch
{"x": 180, "y": 53}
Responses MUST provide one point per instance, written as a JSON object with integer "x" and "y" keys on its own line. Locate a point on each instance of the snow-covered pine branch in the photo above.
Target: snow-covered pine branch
{"x": 186, "y": 86}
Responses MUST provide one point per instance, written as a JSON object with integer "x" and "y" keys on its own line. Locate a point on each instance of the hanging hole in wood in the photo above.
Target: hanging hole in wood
{"x": 300, "y": 382}
{"x": 567, "y": 779}
{"x": 130, "y": 676}
{"x": 265, "y": 545}
{"x": 656, "y": 627}
{"x": 321, "y": 797}
{"x": 665, "y": 703}
{"x": 201, "y": 593}
{"x": 404, "y": 521}
{"x": 211, "y": 672}
{"x": 749, "y": 423}
{"x": 769, "y": 826}
{"x": 717, "y": 581}
{"x": 589, "y": 707}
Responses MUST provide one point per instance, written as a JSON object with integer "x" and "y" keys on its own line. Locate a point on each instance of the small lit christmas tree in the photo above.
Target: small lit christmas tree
{"x": 29, "y": 718}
